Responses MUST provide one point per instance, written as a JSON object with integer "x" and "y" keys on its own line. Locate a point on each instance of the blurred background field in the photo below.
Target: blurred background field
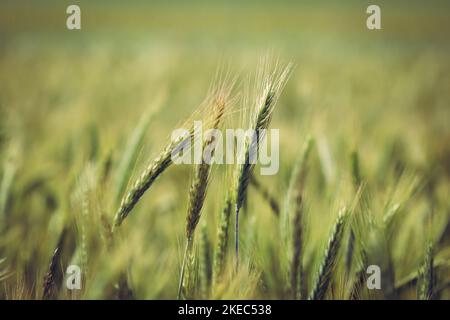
{"x": 70, "y": 100}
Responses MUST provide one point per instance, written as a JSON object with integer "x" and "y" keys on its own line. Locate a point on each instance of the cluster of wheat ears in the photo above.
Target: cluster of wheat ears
{"x": 217, "y": 104}
{"x": 203, "y": 273}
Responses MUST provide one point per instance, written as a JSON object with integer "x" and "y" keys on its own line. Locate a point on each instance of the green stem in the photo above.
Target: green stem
{"x": 183, "y": 266}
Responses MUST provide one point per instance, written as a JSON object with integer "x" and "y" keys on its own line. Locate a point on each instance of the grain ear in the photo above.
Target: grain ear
{"x": 270, "y": 88}
{"x": 329, "y": 259}
{"x": 199, "y": 185}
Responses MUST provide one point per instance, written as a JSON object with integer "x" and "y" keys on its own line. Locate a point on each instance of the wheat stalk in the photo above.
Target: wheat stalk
{"x": 222, "y": 239}
{"x": 199, "y": 186}
{"x": 426, "y": 276}
{"x": 298, "y": 180}
{"x": 164, "y": 159}
{"x": 205, "y": 262}
{"x": 329, "y": 259}
{"x": 50, "y": 286}
{"x": 148, "y": 176}
{"x": 270, "y": 91}
{"x": 356, "y": 174}
{"x": 297, "y": 237}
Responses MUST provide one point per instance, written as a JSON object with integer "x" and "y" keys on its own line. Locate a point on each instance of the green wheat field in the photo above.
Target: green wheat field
{"x": 86, "y": 118}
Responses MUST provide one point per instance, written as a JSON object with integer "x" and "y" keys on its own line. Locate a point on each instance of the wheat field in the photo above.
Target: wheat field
{"x": 86, "y": 176}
